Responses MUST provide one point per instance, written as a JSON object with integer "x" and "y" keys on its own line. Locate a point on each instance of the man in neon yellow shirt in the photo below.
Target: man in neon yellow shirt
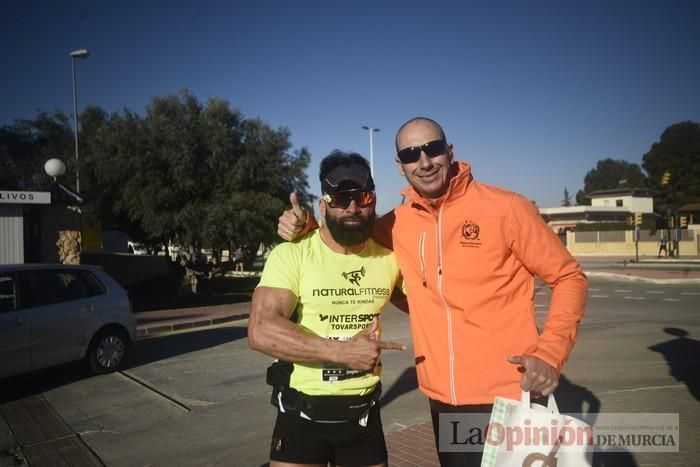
{"x": 316, "y": 310}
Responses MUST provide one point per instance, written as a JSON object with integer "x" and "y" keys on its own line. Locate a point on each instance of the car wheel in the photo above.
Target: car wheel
{"x": 107, "y": 351}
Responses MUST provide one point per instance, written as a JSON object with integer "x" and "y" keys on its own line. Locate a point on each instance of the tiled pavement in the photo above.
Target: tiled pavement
{"x": 412, "y": 446}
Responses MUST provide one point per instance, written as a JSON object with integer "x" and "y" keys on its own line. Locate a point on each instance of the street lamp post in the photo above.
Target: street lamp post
{"x": 371, "y": 148}
{"x": 79, "y": 53}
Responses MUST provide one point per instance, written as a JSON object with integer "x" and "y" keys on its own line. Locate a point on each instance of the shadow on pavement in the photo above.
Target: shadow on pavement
{"x": 405, "y": 383}
{"x": 158, "y": 348}
{"x": 140, "y": 353}
{"x": 682, "y": 355}
{"x": 574, "y": 399}
{"x": 614, "y": 459}
{"x": 37, "y": 382}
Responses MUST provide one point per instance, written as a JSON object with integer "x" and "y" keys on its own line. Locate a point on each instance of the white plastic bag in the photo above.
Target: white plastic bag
{"x": 521, "y": 434}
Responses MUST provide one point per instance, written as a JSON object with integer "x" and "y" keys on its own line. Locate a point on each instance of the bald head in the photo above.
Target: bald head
{"x": 418, "y": 121}
{"x": 426, "y": 160}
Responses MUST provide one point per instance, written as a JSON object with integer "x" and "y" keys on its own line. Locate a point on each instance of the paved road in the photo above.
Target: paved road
{"x": 199, "y": 398}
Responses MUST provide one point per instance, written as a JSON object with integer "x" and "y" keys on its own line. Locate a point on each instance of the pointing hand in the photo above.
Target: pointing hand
{"x": 362, "y": 352}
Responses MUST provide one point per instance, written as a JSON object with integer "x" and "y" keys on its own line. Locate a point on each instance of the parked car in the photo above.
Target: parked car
{"x": 52, "y": 314}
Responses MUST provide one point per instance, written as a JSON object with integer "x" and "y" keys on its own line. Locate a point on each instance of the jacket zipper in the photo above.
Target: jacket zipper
{"x": 421, "y": 256}
{"x": 448, "y": 312}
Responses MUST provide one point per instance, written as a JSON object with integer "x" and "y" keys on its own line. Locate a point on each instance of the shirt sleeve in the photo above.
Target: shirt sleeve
{"x": 543, "y": 254}
{"x": 282, "y": 268}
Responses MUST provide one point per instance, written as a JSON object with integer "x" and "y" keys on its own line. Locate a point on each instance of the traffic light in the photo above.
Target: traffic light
{"x": 683, "y": 222}
{"x": 637, "y": 218}
{"x": 666, "y": 178}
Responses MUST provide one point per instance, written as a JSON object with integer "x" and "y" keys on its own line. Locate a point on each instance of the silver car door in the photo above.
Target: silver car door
{"x": 15, "y": 329}
{"x": 62, "y": 318}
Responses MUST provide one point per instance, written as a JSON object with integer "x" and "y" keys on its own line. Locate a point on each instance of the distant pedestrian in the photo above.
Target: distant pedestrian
{"x": 662, "y": 247}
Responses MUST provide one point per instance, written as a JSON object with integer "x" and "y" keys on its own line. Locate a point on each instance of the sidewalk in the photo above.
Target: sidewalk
{"x": 414, "y": 445}
{"x": 160, "y": 322}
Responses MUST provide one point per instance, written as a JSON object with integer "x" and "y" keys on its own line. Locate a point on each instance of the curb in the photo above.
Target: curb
{"x": 632, "y": 278}
{"x": 161, "y": 322}
{"x": 143, "y": 331}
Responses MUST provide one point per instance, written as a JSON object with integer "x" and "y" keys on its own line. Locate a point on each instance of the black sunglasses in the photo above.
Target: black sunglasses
{"x": 343, "y": 199}
{"x": 411, "y": 154}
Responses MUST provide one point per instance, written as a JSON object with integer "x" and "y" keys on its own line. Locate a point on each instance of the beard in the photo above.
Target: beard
{"x": 353, "y": 234}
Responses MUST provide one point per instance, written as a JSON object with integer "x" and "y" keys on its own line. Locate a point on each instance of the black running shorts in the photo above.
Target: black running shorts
{"x": 300, "y": 441}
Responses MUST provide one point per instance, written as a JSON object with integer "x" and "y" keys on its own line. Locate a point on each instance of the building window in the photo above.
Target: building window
{"x": 618, "y": 203}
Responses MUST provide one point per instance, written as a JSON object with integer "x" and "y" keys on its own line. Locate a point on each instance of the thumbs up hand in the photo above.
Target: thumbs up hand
{"x": 292, "y": 220}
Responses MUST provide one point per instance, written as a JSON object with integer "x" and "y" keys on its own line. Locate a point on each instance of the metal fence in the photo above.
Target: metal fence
{"x": 610, "y": 236}
{"x": 618, "y": 236}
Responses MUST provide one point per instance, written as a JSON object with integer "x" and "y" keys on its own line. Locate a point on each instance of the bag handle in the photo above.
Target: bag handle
{"x": 551, "y": 403}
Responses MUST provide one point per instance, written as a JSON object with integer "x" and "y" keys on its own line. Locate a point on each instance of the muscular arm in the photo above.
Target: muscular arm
{"x": 271, "y": 332}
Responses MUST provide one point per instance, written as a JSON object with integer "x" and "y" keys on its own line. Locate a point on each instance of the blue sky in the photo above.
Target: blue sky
{"x": 531, "y": 93}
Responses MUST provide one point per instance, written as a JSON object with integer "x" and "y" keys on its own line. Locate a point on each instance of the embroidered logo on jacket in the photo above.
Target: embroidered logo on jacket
{"x": 355, "y": 276}
{"x": 470, "y": 234}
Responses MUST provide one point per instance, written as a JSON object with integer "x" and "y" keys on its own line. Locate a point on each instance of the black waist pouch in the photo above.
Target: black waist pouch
{"x": 326, "y": 408}
{"x": 330, "y": 408}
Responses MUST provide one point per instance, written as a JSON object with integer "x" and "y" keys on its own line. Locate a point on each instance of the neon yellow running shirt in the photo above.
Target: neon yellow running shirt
{"x": 337, "y": 297}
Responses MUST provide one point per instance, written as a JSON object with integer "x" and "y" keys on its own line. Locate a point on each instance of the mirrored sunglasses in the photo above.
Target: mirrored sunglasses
{"x": 411, "y": 154}
{"x": 342, "y": 199}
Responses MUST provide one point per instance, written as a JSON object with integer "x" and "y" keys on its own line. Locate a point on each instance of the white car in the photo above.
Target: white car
{"x": 53, "y": 313}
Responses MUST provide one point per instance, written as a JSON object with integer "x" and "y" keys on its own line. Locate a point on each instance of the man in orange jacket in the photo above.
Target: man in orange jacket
{"x": 469, "y": 253}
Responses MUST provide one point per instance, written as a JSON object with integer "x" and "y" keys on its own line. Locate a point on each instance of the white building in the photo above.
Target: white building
{"x": 15, "y": 207}
{"x": 615, "y": 205}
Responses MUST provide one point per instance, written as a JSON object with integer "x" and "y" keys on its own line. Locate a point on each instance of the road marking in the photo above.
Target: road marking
{"x": 655, "y": 291}
{"x": 537, "y": 305}
{"x": 599, "y": 296}
{"x": 622, "y": 291}
{"x": 643, "y": 388}
{"x": 690, "y": 293}
{"x": 634, "y": 298}
{"x": 593, "y": 290}
{"x": 541, "y": 293}
{"x": 671, "y": 299}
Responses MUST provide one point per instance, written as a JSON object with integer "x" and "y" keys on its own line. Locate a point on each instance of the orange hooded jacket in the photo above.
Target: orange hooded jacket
{"x": 468, "y": 262}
